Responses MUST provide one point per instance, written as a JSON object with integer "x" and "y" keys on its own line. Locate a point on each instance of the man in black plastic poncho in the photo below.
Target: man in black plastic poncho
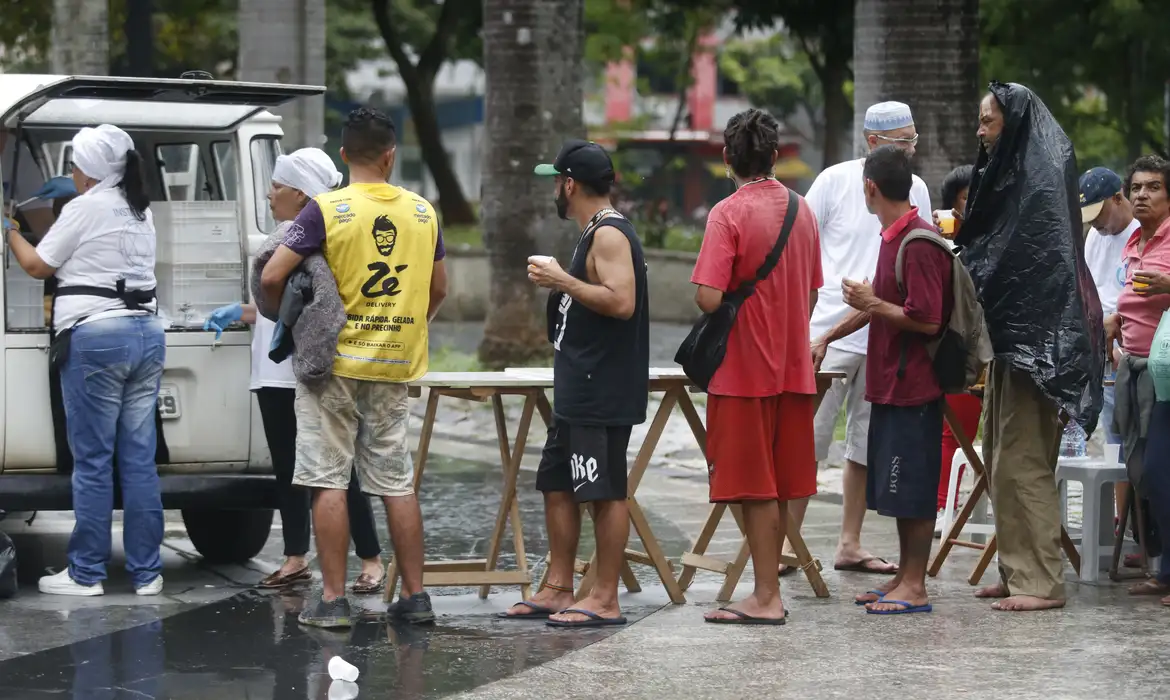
{"x": 1021, "y": 239}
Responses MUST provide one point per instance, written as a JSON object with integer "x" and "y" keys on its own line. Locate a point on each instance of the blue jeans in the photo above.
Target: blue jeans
{"x": 1157, "y": 479}
{"x": 110, "y": 387}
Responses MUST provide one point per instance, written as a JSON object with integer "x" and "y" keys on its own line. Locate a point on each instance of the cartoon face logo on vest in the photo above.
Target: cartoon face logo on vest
{"x": 385, "y": 235}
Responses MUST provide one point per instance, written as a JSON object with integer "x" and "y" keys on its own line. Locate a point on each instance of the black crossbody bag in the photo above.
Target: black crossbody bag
{"x": 702, "y": 352}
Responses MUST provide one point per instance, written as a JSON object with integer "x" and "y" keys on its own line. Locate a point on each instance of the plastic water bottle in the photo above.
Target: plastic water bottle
{"x": 1072, "y": 442}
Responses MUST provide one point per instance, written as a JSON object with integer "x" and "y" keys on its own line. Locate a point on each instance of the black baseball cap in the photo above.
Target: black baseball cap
{"x": 1096, "y": 186}
{"x": 583, "y": 161}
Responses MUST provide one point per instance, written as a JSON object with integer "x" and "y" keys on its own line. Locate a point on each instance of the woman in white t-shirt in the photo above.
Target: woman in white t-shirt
{"x": 297, "y": 178}
{"x": 109, "y": 348}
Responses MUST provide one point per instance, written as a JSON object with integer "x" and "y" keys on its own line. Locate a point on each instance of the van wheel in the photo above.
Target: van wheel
{"x": 228, "y": 536}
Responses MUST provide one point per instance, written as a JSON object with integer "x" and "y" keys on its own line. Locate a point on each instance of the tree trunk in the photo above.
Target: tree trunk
{"x": 80, "y": 37}
{"x": 283, "y": 41}
{"x": 420, "y": 97}
{"x": 836, "y": 108}
{"x": 924, "y": 53}
{"x": 533, "y": 53}
{"x": 140, "y": 38}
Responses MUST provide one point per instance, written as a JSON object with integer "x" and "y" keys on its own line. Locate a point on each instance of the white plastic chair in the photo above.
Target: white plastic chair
{"x": 980, "y": 523}
{"x": 1097, "y": 479}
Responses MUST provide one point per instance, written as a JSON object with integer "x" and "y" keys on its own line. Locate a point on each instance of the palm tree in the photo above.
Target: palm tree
{"x": 80, "y": 38}
{"x": 283, "y": 41}
{"x": 924, "y": 53}
{"x": 533, "y": 52}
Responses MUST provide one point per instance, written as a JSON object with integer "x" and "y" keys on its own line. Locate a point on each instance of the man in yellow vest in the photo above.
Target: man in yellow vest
{"x": 385, "y": 248}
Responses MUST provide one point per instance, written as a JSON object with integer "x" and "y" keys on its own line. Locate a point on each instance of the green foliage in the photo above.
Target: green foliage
{"x": 190, "y": 35}
{"x": 1099, "y": 65}
{"x": 448, "y": 359}
{"x": 774, "y": 74}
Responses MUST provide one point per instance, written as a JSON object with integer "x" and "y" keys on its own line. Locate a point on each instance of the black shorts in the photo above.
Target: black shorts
{"x": 905, "y": 460}
{"x": 587, "y": 460}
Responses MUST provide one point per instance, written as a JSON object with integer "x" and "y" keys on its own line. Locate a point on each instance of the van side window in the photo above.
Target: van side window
{"x": 183, "y": 175}
{"x": 264, "y": 153}
{"x": 227, "y": 169}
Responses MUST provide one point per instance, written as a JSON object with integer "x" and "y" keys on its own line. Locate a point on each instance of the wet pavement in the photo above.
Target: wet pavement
{"x": 250, "y": 646}
{"x": 211, "y": 636}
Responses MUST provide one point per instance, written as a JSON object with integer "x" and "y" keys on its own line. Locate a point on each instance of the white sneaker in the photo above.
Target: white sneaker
{"x": 62, "y": 584}
{"x": 152, "y": 588}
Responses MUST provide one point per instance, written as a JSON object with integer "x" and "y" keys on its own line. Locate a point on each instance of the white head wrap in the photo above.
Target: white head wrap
{"x": 101, "y": 153}
{"x": 309, "y": 170}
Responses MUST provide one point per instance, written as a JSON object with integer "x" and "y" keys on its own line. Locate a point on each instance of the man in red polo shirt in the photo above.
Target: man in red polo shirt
{"x": 906, "y": 419}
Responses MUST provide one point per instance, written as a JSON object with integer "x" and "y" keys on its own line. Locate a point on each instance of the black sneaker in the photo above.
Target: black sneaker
{"x": 332, "y": 614}
{"x": 416, "y": 609}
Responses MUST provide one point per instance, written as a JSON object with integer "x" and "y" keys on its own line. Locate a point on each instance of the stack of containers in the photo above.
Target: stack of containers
{"x": 24, "y": 297}
{"x": 199, "y": 259}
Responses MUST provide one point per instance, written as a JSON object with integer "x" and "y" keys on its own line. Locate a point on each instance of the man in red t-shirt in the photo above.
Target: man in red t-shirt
{"x": 906, "y": 419}
{"x": 760, "y": 404}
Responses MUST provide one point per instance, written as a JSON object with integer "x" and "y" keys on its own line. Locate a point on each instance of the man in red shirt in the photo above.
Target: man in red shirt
{"x": 906, "y": 419}
{"x": 760, "y": 404}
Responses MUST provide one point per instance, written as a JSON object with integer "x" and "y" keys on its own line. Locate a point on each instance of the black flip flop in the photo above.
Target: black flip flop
{"x": 742, "y": 618}
{"x": 594, "y": 620}
{"x": 861, "y": 568}
{"x": 535, "y": 612}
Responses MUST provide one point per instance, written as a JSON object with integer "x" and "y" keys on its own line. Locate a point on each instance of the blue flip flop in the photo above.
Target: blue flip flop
{"x": 874, "y": 591}
{"x": 906, "y": 609}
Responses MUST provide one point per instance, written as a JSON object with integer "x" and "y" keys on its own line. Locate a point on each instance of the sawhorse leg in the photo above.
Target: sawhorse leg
{"x": 733, "y": 570}
{"x": 510, "y": 457}
{"x": 951, "y": 538}
{"x": 653, "y": 556}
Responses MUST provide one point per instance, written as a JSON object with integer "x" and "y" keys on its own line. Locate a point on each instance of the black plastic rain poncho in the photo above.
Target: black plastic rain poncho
{"x": 1024, "y": 248}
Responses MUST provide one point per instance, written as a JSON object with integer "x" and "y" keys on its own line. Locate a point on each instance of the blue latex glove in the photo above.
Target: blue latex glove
{"x": 53, "y": 188}
{"x": 223, "y": 317}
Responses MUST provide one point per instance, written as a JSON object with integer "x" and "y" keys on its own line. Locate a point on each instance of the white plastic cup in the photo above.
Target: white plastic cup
{"x": 342, "y": 670}
{"x": 1112, "y": 454}
{"x": 343, "y": 690}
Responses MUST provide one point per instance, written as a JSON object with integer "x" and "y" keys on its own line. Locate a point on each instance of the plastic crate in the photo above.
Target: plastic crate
{"x": 189, "y": 292}
{"x": 24, "y": 298}
{"x": 197, "y": 232}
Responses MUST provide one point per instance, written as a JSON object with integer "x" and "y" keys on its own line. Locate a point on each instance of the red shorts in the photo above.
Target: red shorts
{"x": 761, "y": 449}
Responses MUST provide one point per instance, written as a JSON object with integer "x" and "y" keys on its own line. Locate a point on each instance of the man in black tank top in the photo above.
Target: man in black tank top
{"x": 599, "y": 324}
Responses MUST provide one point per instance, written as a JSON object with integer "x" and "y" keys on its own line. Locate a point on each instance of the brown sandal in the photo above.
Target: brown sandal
{"x": 1149, "y": 587}
{"x": 277, "y": 580}
{"x": 365, "y": 584}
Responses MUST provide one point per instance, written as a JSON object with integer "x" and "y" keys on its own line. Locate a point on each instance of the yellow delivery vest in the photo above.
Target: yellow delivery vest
{"x": 380, "y": 243}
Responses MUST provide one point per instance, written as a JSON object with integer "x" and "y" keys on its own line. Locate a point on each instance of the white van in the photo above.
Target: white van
{"x": 209, "y": 147}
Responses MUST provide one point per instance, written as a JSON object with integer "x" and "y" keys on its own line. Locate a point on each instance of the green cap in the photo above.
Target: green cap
{"x": 583, "y": 161}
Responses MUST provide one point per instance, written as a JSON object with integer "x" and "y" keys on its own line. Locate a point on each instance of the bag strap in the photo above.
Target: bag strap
{"x": 919, "y": 234}
{"x": 748, "y": 287}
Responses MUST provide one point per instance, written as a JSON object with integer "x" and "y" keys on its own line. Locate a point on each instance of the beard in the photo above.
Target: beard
{"x": 562, "y": 202}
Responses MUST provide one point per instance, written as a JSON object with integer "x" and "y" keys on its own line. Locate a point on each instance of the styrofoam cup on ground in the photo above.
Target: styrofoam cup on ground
{"x": 1112, "y": 454}
{"x": 342, "y": 670}
{"x": 342, "y": 690}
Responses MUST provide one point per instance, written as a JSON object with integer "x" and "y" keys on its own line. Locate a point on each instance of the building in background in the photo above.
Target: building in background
{"x": 677, "y": 176}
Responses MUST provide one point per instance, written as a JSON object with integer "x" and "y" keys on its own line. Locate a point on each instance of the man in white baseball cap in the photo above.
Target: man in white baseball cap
{"x": 850, "y": 239}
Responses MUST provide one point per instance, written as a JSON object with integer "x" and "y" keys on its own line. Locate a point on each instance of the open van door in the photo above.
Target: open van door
{"x": 205, "y": 404}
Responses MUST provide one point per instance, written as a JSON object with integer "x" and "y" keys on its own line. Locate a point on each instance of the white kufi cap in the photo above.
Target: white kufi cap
{"x": 887, "y": 116}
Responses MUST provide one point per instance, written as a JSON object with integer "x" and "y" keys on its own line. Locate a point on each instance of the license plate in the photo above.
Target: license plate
{"x": 168, "y": 402}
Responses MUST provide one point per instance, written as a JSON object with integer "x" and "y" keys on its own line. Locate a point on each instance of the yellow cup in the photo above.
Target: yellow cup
{"x": 946, "y": 223}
